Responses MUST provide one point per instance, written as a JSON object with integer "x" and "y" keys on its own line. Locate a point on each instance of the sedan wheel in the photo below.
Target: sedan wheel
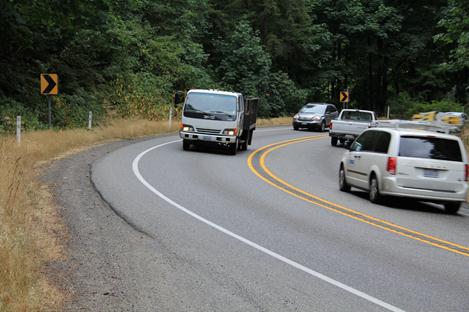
{"x": 323, "y": 126}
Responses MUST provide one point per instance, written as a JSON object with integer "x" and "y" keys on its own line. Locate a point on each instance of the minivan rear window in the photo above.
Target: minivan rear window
{"x": 430, "y": 148}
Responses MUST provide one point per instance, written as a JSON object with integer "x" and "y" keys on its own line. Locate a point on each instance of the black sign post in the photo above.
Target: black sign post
{"x": 49, "y": 87}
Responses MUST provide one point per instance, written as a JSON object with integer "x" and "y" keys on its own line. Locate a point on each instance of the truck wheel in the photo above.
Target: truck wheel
{"x": 452, "y": 207}
{"x": 251, "y": 133}
{"x": 243, "y": 146}
{"x": 333, "y": 141}
{"x": 186, "y": 145}
{"x": 233, "y": 148}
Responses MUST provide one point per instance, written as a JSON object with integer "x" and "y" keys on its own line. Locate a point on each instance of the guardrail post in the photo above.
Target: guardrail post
{"x": 18, "y": 129}
{"x": 170, "y": 120}
{"x": 90, "y": 120}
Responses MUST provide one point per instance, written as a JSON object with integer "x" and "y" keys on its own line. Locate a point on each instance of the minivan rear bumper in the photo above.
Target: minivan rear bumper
{"x": 390, "y": 187}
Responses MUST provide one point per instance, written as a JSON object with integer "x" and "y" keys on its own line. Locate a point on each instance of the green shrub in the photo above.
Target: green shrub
{"x": 403, "y": 106}
{"x": 9, "y": 109}
{"x": 71, "y": 110}
{"x": 439, "y": 106}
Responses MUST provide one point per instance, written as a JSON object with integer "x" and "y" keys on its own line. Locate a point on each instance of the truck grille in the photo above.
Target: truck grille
{"x": 208, "y": 131}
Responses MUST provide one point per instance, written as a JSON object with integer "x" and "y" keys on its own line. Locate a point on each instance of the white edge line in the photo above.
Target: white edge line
{"x": 251, "y": 243}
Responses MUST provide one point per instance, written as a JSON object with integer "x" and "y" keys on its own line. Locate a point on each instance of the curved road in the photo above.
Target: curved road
{"x": 268, "y": 230}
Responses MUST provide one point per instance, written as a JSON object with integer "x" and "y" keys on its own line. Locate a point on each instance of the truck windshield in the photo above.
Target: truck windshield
{"x": 356, "y": 116}
{"x": 210, "y": 106}
{"x": 430, "y": 147}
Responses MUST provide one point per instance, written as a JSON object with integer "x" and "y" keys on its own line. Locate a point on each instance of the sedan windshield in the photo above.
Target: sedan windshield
{"x": 313, "y": 109}
{"x": 210, "y": 106}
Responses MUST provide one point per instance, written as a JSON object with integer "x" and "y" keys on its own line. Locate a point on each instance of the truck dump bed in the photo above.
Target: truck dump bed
{"x": 250, "y": 113}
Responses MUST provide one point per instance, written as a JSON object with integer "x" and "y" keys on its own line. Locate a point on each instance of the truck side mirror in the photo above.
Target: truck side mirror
{"x": 178, "y": 97}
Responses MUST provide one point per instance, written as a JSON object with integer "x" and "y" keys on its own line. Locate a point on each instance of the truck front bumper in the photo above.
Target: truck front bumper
{"x": 219, "y": 138}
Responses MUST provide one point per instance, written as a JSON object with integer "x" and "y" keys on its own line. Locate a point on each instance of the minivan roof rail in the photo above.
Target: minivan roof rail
{"x": 434, "y": 126}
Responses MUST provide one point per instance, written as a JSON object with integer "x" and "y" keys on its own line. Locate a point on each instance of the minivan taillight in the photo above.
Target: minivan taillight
{"x": 392, "y": 165}
{"x": 467, "y": 173}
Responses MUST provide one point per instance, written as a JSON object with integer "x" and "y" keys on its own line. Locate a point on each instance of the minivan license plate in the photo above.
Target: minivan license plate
{"x": 430, "y": 173}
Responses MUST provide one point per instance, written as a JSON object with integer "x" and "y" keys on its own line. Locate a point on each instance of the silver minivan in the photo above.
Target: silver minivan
{"x": 424, "y": 165}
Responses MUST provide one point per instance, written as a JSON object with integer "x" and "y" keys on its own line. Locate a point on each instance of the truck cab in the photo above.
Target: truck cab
{"x": 218, "y": 118}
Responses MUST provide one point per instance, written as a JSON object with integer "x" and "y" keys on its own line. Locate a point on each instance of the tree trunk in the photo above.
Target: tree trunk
{"x": 371, "y": 102}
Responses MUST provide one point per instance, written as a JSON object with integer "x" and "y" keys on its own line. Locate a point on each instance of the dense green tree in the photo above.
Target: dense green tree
{"x": 130, "y": 55}
{"x": 455, "y": 34}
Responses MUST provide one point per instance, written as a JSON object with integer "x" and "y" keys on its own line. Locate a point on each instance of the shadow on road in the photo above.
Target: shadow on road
{"x": 407, "y": 204}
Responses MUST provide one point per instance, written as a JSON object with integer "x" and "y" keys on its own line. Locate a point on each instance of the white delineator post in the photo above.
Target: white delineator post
{"x": 18, "y": 129}
{"x": 388, "y": 113}
{"x": 170, "y": 120}
{"x": 90, "y": 120}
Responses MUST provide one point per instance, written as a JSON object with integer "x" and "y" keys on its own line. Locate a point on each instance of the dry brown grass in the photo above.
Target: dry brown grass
{"x": 281, "y": 121}
{"x": 31, "y": 232}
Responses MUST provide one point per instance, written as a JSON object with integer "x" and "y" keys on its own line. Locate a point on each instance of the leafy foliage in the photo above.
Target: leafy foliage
{"x": 128, "y": 57}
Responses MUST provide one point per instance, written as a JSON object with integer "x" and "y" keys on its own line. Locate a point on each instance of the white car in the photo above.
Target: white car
{"x": 424, "y": 165}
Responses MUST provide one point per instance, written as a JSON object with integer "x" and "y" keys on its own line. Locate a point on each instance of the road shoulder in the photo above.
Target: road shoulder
{"x": 106, "y": 257}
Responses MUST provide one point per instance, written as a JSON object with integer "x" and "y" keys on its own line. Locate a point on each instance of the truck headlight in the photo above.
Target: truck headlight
{"x": 230, "y": 132}
{"x": 186, "y": 128}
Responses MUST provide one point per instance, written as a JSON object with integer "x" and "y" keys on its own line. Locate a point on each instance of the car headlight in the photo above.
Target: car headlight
{"x": 316, "y": 118}
{"x": 230, "y": 132}
{"x": 296, "y": 116}
{"x": 186, "y": 128}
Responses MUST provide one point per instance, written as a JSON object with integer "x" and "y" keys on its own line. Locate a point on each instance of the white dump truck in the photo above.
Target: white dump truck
{"x": 218, "y": 118}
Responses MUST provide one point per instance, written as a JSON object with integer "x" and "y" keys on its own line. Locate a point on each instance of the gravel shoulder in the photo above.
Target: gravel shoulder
{"x": 110, "y": 266}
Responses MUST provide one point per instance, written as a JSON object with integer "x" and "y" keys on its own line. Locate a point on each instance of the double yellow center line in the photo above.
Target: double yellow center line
{"x": 256, "y": 162}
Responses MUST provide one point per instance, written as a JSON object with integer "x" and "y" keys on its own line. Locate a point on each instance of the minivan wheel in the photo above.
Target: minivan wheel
{"x": 375, "y": 196}
{"x": 343, "y": 185}
{"x": 334, "y": 141}
{"x": 452, "y": 207}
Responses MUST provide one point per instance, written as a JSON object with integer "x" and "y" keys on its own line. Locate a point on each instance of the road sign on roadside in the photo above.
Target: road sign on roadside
{"x": 344, "y": 96}
{"x": 49, "y": 84}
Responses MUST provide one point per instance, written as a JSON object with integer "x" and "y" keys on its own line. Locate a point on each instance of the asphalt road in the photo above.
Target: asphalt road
{"x": 272, "y": 232}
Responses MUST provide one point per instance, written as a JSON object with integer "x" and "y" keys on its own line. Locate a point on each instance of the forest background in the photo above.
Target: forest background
{"x": 126, "y": 58}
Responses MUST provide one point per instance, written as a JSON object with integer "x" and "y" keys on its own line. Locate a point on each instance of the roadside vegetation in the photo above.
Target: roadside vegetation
{"x": 129, "y": 57}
